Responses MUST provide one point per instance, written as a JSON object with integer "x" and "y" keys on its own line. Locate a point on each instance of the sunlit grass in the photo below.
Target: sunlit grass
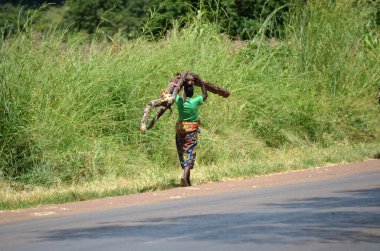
{"x": 16, "y": 195}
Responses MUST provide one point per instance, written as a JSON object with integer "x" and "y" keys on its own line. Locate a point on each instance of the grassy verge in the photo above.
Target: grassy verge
{"x": 71, "y": 105}
{"x": 16, "y": 195}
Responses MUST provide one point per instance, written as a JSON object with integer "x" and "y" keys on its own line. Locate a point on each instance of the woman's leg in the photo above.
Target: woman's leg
{"x": 188, "y": 179}
{"x": 185, "y": 180}
{"x": 186, "y": 144}
{"x": 189, "y": 155}
{"x": 180, "y": 143}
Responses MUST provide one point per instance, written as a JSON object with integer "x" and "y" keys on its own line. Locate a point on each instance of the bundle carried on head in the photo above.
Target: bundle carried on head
{"x": 168, "y": 95}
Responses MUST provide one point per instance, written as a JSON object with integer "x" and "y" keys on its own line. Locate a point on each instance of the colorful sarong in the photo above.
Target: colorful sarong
{"x": 186, "y": 144}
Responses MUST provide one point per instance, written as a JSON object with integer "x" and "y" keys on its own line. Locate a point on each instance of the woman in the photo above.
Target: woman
{"x": 187, "y": 128}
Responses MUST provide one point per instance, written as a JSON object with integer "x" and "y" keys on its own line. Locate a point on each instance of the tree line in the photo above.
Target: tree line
{"x": 237, "y": 18}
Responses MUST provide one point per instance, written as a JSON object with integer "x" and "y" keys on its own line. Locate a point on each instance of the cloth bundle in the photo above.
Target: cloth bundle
{"x": 184, "y": 127}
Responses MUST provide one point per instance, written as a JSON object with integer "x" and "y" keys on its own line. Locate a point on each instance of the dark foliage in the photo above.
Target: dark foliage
{"x": 238, "y": 18}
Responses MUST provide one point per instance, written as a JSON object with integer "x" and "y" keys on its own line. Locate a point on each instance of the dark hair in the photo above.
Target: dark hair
{"x": 189, "y": 90}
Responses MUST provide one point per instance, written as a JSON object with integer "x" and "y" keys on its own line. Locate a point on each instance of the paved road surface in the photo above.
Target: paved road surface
{"x": 340, "y": 213}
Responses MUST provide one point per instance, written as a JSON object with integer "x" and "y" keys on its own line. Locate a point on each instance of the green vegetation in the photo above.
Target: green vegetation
{"x": 238, "y": 18}
{"x": 71, "y": 104}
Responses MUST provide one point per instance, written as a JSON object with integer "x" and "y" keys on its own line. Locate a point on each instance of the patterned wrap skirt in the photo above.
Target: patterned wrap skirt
{"x": 186, "y": 144}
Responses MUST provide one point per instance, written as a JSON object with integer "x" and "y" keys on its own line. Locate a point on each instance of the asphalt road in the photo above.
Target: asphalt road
{"x": 335, "y": 214}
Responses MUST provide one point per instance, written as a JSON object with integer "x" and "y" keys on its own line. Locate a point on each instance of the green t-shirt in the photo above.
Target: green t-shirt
{"x": 188, "y": 110}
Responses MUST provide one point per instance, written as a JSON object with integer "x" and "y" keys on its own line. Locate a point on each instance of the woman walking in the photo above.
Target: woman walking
{"x": 187, "y": 128}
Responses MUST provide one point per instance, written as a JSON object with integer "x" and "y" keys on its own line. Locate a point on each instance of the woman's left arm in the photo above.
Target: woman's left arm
{"x": 204, "y": 92}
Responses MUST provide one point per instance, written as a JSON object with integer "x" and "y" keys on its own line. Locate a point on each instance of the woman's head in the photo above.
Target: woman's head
{"x": 189, "y": 90}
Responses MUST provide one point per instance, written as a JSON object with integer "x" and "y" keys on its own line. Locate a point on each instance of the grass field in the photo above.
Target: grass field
{"x": 71, "y": 105}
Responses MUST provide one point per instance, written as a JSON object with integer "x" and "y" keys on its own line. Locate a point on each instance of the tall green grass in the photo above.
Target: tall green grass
{"x": 71, "y": 105}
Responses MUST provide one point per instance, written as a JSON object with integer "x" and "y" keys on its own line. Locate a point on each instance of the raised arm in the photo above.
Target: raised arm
{"x": 204, "y": 92}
